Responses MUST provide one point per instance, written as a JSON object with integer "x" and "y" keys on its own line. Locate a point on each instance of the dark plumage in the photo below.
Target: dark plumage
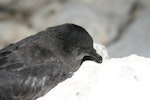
{"x": 33, "y": 66}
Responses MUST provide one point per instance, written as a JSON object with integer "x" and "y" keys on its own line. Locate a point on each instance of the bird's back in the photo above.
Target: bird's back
{"x": 28, "y": 70}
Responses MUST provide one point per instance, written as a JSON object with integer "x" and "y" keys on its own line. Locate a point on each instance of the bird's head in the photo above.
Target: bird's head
{"x": 76, "y": 44}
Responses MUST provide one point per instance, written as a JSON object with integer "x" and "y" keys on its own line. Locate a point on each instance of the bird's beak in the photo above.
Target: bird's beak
{"x": 93, "y": 56}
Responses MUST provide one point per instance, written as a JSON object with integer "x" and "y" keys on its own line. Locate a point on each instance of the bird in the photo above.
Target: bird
{"x": 33, "y": 66}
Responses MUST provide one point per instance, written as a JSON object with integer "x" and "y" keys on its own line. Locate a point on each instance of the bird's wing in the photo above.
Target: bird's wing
{"x": 30, "y": 82}
{"x": 18, "y": 66}
{"x": 4, "y": 58}
{"x": 17, "y": 56}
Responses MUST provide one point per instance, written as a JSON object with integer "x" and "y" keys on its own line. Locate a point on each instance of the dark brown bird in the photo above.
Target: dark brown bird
{"x": 34, "y": 65}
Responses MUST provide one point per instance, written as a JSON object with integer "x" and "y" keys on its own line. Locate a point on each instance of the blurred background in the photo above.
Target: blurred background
{"x": 123, "y": 26}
